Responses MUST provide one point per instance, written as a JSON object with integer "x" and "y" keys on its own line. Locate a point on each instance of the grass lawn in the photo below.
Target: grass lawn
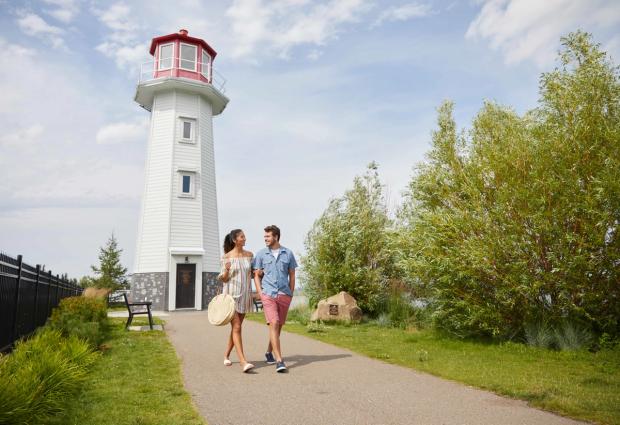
{"x": 581, "y": 384}
{"x": 137, "y": 381}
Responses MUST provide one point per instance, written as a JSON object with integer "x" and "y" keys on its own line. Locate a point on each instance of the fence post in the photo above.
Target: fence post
{"x": 14, "y": 335}
{"x": 57, "y": 290}
{"x": 49, "y": 294}
{"x": 36, "y": 297}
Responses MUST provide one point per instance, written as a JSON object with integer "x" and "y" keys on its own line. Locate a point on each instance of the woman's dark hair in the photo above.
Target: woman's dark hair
{"x": 229, "y": 240}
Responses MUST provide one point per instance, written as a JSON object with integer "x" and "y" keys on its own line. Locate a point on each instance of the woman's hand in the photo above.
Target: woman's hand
{"x": 228, "y": 265}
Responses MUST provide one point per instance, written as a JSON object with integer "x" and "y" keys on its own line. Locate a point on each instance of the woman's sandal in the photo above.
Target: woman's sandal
{"x": 248, "y": 367}
{"x": 227, "y": 362}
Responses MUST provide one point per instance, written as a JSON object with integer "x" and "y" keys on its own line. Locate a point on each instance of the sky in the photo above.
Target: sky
{"x": 318, "y": 89}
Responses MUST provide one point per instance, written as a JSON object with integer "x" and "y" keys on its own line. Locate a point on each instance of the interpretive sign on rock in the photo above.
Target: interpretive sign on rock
{"x": 340, "y": 307}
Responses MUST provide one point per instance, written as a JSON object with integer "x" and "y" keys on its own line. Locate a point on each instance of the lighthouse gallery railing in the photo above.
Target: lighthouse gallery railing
{"x": 172, "y": 67}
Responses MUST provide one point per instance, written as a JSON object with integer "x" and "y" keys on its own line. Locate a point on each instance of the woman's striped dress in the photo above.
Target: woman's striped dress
{"x": 239, "y": 286}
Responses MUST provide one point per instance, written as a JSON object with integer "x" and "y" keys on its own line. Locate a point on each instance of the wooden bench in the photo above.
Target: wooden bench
{"x": 138, "y": 308}
{"x": 258, "y": 304}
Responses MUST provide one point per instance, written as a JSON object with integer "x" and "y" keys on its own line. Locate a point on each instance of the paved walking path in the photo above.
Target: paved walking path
{"x": 325, "y": 385}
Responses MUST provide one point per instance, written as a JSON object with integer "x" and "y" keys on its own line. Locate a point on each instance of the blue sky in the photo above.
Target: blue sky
{"x": 318, "y": 89}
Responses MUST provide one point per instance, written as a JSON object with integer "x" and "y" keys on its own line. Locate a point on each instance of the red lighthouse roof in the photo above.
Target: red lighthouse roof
{"x": 182, "y": 35}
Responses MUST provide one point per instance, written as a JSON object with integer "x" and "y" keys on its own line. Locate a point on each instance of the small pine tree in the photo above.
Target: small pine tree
{"x": 110, "y": 273}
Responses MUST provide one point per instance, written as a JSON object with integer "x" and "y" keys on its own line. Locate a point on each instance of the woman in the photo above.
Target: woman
{"x": 236, "y": 275}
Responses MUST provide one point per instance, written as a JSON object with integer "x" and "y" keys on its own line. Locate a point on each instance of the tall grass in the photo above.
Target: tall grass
{"x": 300, "y": 314}
{"x": 40, "y": 375}
{"x": 567, "y": 336}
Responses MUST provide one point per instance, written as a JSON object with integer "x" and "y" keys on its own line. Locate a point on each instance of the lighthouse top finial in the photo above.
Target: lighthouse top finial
{"x": 183, "y": 31}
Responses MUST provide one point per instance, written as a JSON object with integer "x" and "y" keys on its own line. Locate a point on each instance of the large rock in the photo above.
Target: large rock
{"x": 340, "y": 307}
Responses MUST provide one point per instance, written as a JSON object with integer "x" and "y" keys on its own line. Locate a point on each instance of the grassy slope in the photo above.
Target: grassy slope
{"x": 136, "y": 382}
{"x": 578, "y": 384}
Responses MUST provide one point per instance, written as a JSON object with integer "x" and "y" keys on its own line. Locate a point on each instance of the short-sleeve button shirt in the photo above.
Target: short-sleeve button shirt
{"x": 275, "y": 278}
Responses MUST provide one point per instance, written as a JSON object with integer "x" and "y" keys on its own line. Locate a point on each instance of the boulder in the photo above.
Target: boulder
{"x": 340, "y": 307}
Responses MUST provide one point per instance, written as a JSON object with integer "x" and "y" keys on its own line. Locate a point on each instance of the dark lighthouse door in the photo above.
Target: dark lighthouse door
{"x": 186, "y": 285}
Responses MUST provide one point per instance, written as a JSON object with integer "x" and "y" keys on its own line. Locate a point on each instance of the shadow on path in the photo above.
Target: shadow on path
{"x": 298, "y": 360}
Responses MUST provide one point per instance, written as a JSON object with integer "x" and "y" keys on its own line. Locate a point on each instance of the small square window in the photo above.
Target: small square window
{"x": 187, "y": 184}
{"x": 187, "y": 130}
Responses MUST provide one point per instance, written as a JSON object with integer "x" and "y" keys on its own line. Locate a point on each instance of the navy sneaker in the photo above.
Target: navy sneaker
{"x": 281, "y": 367}
{"x": 270, "y": 358}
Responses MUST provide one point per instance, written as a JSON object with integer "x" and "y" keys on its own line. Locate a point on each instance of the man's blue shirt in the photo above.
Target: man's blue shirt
{"x": 276, "y": 271}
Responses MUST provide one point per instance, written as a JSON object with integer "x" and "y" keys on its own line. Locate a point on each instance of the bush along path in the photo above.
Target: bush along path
{"x": 81, "y": 368}
{"x": 43, "y": 373}
{"x": 325, "y": 384}
{"x": 137, "y": 380}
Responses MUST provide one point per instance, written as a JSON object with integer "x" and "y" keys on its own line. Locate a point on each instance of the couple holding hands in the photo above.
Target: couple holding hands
{"x": 273, "y": 272}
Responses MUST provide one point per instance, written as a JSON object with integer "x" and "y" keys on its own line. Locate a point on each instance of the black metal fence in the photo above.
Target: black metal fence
{"x": 27, "y": 297}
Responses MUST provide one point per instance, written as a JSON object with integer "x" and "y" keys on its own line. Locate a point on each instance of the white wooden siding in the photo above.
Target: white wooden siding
{"x": 153, "y": 235}
{"x": 186, "y": 222}
{"x": 168, "y": 220}
{"x": 210, "y": 228}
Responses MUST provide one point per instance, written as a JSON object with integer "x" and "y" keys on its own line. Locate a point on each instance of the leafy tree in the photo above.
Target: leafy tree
{"x": 517, "y": 220}
{"x": 86, "y": 282}
{"x": 110, "y": 273}
{"x": 347, "y": 248}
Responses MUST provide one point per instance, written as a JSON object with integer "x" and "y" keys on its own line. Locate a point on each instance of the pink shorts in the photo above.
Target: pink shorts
{"x": 276, "y": 309}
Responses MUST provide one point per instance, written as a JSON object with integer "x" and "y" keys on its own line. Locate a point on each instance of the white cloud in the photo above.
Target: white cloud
{"x": 613, "y": 48}
{"x": 281, "y": 25}
{"x": 122, "y": 43}
{"x": 530, "y": 29}
{"x": 116, "y": 17}
{"x": 403, "y": 13}
{"x": 22, "y": 137}
{"x": 33, "y": 25}
{"x": 314, "y": 54}
{"x": 123, "y": 132}
{"x": 65, "y": 10}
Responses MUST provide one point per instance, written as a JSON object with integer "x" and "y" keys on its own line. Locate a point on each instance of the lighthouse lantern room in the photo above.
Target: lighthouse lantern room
{"x": 177, "y": 249}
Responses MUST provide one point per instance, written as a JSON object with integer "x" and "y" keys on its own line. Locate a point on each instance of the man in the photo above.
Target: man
{"x": 274, "y": 277}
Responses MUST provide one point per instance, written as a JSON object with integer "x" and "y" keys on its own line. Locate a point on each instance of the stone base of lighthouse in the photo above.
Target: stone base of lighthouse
{"x": 155, "y": 287}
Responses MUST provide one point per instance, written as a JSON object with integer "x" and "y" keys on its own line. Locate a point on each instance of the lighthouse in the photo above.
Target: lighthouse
{"x": 177, "y": 248}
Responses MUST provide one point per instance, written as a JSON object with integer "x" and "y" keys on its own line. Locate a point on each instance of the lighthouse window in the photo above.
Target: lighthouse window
{"x": 206, "y": 59}
{"x": 186, "y": 184}
{"x": 188, "y": 57}
{"x": 165, "y": 56}
{"x": 187, "y": 130}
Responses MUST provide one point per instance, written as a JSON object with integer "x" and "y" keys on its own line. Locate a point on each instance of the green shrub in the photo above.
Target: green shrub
{"x": 519, "y": 216}
{"x": 539, "y": 334}
{"x": 83, "y": 317}
{"x": 571, "y": 336}
{"x": 568, "y": 336}
{"x": 40, "y": 375}
{"x": 400, "y": 310}
{"x": 347, "y": 248}
{"x": 383, "y": 320}
{"x": 300, "y": 314}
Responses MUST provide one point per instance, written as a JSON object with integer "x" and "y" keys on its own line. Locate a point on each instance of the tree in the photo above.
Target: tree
{"x": 517, "y": 220}
{"x": 110, "y": 273}
{"x": 347, "y": 248}
{"x": 87, "y": 281}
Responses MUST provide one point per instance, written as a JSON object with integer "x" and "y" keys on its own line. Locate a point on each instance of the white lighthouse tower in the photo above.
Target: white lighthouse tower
{"x": 177, "y": 255}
